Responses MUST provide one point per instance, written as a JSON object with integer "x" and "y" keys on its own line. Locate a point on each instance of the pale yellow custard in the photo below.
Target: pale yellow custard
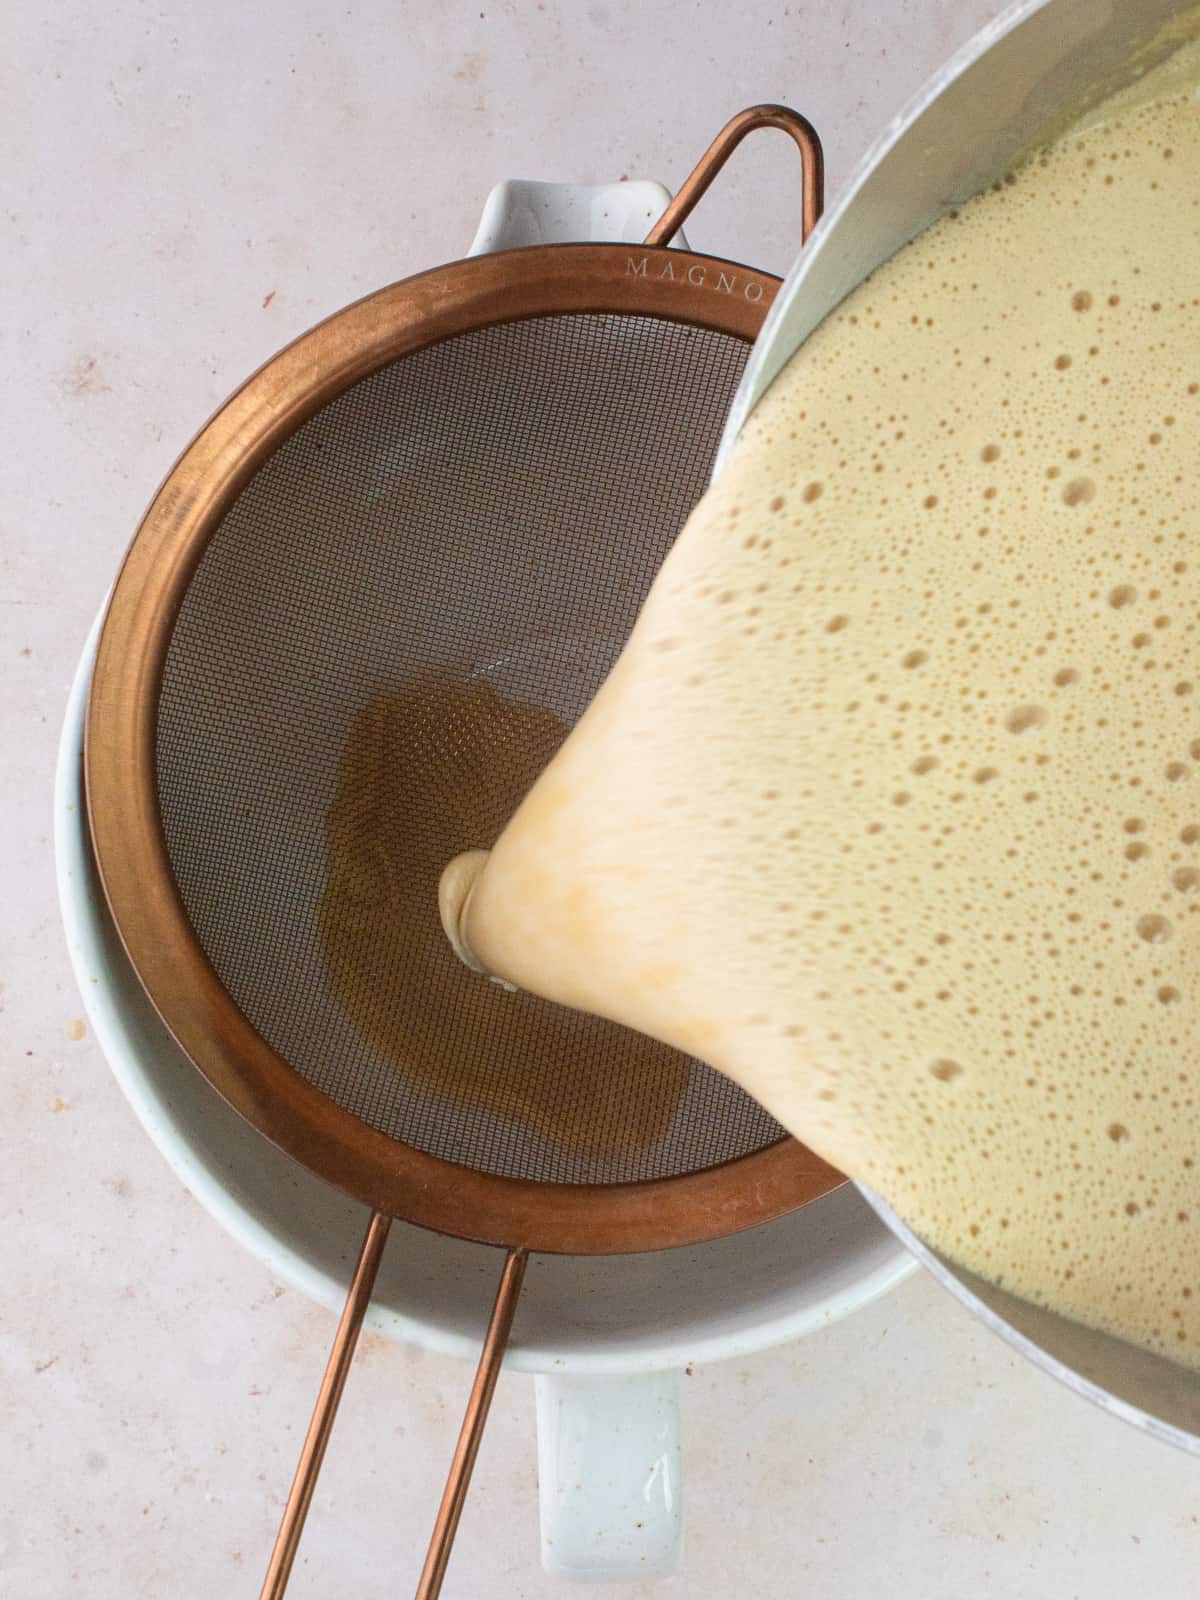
{"x": 891, "y": 808}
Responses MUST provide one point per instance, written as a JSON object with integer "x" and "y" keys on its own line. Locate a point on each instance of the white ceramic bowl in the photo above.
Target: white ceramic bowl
{"x": 607, "y": 1336}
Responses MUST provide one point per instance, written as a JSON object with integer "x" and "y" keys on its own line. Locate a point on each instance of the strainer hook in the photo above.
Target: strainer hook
{"x": 812, "y": 165}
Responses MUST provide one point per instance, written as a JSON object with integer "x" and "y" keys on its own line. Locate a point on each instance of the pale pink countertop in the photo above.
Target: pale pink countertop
{"x": 185, "y": 188}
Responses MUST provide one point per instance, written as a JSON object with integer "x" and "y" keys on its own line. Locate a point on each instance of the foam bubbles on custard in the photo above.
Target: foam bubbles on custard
{"x": 969, "y": 506}
{"x": 913, "y": 791}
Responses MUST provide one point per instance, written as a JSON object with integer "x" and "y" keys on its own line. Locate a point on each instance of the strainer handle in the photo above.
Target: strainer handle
{"x": 458, "y": 1480}
{"x": 312, "y": 1454}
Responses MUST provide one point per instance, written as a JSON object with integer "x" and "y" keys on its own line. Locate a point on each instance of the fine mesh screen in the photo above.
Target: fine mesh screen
{"x": 389, "y": 634}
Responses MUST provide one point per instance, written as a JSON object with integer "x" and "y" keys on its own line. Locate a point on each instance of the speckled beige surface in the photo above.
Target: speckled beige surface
{"x": 185, "y": 189}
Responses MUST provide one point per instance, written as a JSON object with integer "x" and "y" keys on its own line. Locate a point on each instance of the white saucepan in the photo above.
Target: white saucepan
{"x": 1017, "y": 84}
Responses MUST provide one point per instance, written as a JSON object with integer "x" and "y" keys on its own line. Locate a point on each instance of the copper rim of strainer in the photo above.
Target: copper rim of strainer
{"x": 120, "y": 760}
{"x": 395, "y": 1179}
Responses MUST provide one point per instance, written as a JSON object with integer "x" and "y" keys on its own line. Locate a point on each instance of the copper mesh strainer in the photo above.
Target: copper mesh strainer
{"x": 358, "y": 618}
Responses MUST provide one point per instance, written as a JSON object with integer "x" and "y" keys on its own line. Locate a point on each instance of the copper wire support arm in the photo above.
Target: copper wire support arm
{"x": 455, "y": 1494}
{"x": 287, "y": 1539}
{"x": 812, "y": 164}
